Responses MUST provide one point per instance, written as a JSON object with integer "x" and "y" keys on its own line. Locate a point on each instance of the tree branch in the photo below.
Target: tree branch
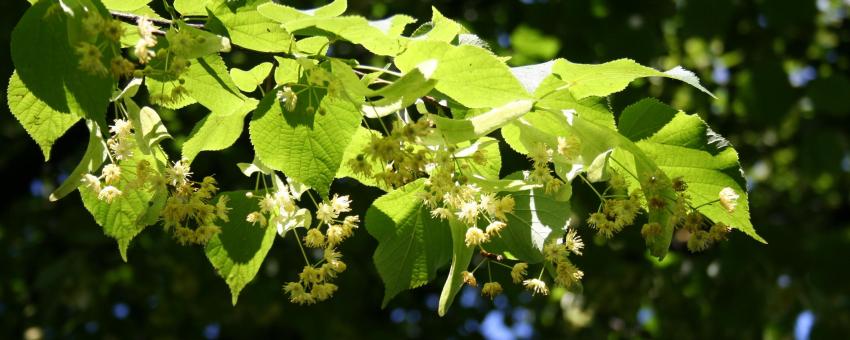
{"x": 134, "y": 18}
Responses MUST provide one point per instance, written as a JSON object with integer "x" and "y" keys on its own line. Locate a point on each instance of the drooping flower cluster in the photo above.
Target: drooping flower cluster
{"x": 540, "y": 155}
{"x": 123, "y": 141}
{"x": 89, "y": 50}
{"x": 147, "y": 40}
{"x": 400, "y": 154}
{"x": 189, "y": 212}
{"x": 314, "y": 284}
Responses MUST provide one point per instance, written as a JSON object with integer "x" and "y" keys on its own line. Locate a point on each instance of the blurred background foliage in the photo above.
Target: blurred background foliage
{"x": 778, "y": 67}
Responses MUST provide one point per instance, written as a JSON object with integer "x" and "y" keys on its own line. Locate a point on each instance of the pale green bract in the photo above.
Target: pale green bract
{"x": 314, "y": 118}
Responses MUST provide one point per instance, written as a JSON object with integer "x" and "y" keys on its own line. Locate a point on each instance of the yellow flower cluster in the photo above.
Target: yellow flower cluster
{"x": 401, "y": 155}
{"x": 314, "y": 282}
{"x": 615, "y": 215}
{"x": 90, "y": 55}
{"x": 189, "y": 213}
{"x": 540, "y": 155}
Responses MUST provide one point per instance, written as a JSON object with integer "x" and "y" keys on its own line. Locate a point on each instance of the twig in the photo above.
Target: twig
{"x": 134, "y": 18}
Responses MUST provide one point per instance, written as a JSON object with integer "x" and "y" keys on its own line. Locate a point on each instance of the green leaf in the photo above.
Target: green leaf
{"x": 287, "y": 71}
{"x": 381, "y": 37}
{"x": 52, "y": 74}
{"x": 44, "y": 124}
{"x": 402, "y": 92}
{"x": 247, "y": 81}
{"x": 217, "y": 131}
{"x": 491, "y": 85}
{"x": 644, "y": 118}
{"x": 191, "y": 7}
{"x": 208, "y": 81}
{"x": 162, "y": 92}
{"x": 284, "y": 14}
{"x": 439, "y": 28}
{"x": 452, "y": 131}
{"x": 493, "y": 158}
{"x": 307, "y": 146}
{"x": 127, "y": 215}
{"x": 586, "y": 80}
{"x": 238, "y": 251}
{"x": 248, "y": 28}
{"x": 191, "y": 43}
{"x": 149, "y": 128}
{"x": 125, "y": 5}
{"x": 411, "y": 245}
{"x": 461, "y": 256}
{"x": 96, "y": 154}
{"x": 686, "y": 147}
{"x": 537, "y": 218}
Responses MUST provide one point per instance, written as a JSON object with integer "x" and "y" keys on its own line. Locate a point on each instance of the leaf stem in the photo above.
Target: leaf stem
{"x": 378, "y": 69}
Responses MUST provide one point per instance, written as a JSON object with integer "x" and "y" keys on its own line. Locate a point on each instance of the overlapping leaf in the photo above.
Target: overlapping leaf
{"x": 238, "y": 251}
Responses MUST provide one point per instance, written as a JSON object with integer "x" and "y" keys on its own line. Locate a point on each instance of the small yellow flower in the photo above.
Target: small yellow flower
{"x": 111, "y": 173}
{"x": 256, "y": 217}
{"x": 92, "y": 182}
{"x": 336, "y": 234}
{"x": 475, "y": 236}
{"x": 441, "y": 213}
{"x": 494, "y": 228}
{"x": 573, "y": 242}
{"x": 323, "y": 291}
{"x": 468, "y": 212}
{"x": 536, "y": 286}
{"x": 221, "y": 208}
{"x": 729, "y": 199}
{"x": 469, "y": 279}
{"x": 325, "y": 213}
{"x": 518, "y": 272}
{"x": 491, "y": 289}
{"x": 108, "y": 193}
{"x": 311, "y": 275}
{"x": 506, "y": 206}
{"x": 314, "y": 238}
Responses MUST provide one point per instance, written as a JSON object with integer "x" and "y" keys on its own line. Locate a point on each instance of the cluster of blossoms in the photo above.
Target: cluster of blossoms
{"x": 540, "y": 154}
{"x": 189, "y": 212}
{"x": 280, "y": 210}
{"x": 315, "y": 280}
{"x": 90, "y": 55}
{"x": 121, "y": 144}
{"x": 617, "y": 211}
{"x": 122, "y": 141}
{"x": 147, "y": 40}
{"x": 400, "y": 154}
{"x": 620, "y": 209}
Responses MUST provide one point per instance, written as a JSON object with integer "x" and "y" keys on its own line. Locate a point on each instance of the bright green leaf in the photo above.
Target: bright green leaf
{"x": 44, "y": 124}
{"x": 247, "y": 28}
{"x": 247, "y": 81}
{"x": 411, "y": 245}
{"x": 126, "y": 216}
{"x": 491, "y": 85}
{"x": 208, "y": 81}
{"x": 452, "y": 131}
{"x": 217, "y": 131}
{"x": 307, "y": 146}
{"x": 601, "y": 80}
